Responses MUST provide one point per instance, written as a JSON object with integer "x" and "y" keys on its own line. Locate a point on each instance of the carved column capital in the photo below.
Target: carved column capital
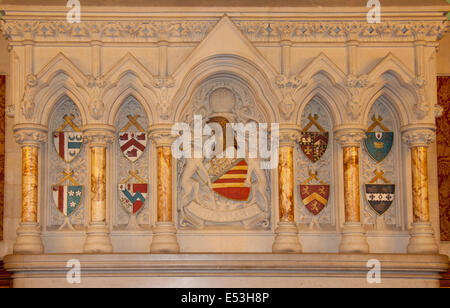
{"x": 161, "y": 135}
{"x": 418, "y": 135}
{"x": 98, "y": 135}
{"x": 289, "y": 134}
{"x": 349, "y": 135}
{"x": 30, "y": 134}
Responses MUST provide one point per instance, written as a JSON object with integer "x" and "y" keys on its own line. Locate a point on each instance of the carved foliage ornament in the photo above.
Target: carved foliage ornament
{"x": 287, "y": 86}
{"x": 419, "y": 137}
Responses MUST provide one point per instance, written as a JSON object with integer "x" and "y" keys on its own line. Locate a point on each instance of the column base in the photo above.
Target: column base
{"x": 422, "y": 239}
{"x": 165, "y": 238}
{"x": 353, "y": 239}
{"x": 28, "y": 239}
{"x": 97, "y": 239}
{"x": 286, "y": 238}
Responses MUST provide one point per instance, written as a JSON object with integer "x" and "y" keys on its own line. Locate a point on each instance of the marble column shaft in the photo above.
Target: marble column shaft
{"x": 419, "y": 166}
{"x": 98, "y": 184}
{"x": 286, "y": 184}
{"x": 30, "y": 183}
{"x": 164, "y": 198}
{"x": 351, "y": 185}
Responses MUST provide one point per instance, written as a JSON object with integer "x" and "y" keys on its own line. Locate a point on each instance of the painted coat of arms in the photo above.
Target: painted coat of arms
{"x": 379, "y": 196}
{"x": 132, "y": 196}
{"x": 231, "y": 184}
{"x": 67, "y": 198}
{"x": 378, "y": 144}
{"x": 132, "y": 142}
{"x": 314, "y": 197}
{"x": 68, "y": 143}
{"x": 314, "y": 144}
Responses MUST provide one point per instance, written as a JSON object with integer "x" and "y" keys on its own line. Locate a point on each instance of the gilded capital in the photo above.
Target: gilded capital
{"x": 161, "y": 135}
{"x": 98, "y": 135}
{"x": 30, "y": 134}
{"x": 349, "y": 135}
{"x": 418, "y": 135}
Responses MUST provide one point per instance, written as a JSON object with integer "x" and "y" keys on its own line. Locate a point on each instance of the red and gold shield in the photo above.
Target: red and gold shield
{"x": 231, "y": 184}
{"x": 314, "y": 144}
{"x": 315, "y": 197}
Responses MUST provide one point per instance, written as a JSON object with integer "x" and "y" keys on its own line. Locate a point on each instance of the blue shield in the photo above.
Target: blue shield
{"x": 379, "y": 144}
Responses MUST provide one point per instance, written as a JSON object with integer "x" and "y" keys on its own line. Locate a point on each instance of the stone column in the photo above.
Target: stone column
{"x": 353, "y": 235}
{"x": 286, "y": 238}
{"x": 165, "y": 233}
{"x": 422, "y": 239}
{"x": 98, "y": 136}
{"x": 30, "y": 137}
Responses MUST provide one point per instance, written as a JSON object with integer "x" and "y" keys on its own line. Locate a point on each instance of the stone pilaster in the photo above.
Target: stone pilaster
{"x": 418, "y": 138}
{"x": 286, "y": 239}
{"x": 30, "y": 137}
{"x": 164, "y": 233}
{"x": 98, "y": 136}
{"x": 353, "y": 235}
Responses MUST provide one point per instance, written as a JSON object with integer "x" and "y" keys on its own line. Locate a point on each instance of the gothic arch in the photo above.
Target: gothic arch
{"x": 233, "y": 66}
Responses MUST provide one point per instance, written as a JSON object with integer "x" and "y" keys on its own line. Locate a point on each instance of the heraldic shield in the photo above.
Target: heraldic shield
{"x": 132, "y": 196}
{"x": 132, "y": 144}
{"x": 231, "y": 183}
{"x": 380, "y": 196}
{"x": 379, "y": 144}
{"x": 315, "y": 197}
{"x": 314, "y": 144}
{"x": 67, "y": 198}
{"x": 68, "y": 144}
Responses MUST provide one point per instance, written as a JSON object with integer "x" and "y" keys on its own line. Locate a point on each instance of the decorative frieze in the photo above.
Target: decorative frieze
{"x": 107, "y": 31}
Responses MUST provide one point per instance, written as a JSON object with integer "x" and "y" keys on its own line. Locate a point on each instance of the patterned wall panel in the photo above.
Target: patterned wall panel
{"x": 2, "y": 148}
{"x": 443, "y": 149}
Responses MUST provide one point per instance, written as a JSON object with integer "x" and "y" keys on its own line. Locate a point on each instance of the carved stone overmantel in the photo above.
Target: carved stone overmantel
{"x": 349, "y": 135}
{"x": 419, "y": 135}
{"x": 30, "y": 134}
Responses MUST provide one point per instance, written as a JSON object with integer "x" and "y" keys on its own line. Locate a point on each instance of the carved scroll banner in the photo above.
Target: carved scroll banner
{"x": 2, "y": 148}
{"x": 443, "y": 151}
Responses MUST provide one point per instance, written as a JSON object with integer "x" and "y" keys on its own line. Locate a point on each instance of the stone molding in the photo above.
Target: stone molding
{"x": 420, "y": 135}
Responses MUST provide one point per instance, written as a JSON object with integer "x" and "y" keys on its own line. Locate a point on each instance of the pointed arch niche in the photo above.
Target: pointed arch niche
{"x": 127, "y": 160}
{"x": 326, "y": 220}
{"x": 64, "y": 118}
{"x": 393, "y": 167}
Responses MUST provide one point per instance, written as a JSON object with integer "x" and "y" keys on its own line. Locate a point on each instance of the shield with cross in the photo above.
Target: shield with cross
{"x": 132, "y": 139}
{"x": 68, "y": 143}
{"x": 314, "y": 144}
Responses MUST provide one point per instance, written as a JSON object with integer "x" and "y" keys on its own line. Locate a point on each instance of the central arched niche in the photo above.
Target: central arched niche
{"x": 223, "y": 99}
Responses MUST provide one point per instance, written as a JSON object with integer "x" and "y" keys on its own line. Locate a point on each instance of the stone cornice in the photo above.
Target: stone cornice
{"x": 52, "y": 29}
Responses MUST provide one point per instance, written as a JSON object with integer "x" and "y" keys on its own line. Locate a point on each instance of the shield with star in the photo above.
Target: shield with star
{"x": 67, "y": 144}
{"x": 380, "y": 196}
{"x": 314, "y": 144}
{"x": 132, "y": 196}
{"x": 379, "y": 144}
{"x": 67, "y": 198}
{"x": 315, "y": 197}
{"x": 132, "y": 144}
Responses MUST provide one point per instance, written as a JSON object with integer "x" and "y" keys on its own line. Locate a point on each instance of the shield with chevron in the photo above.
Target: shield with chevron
{"x": 132, "y": 196}
{"x": 132, "y": 144}
{"x": 315, "y": 197}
